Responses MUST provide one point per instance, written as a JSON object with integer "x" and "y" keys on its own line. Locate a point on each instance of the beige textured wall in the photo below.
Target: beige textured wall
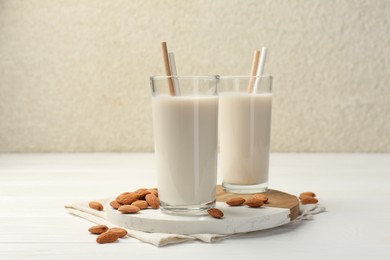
{"x": 74, "y": 73}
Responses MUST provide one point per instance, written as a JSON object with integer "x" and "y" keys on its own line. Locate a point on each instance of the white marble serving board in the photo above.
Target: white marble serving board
{"x": 235, "y": 220}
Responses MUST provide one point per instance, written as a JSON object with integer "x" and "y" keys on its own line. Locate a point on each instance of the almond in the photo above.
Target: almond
{"x": 154, "y": 191}
{"x": 307, "y": 194}
{"x": 96, "y": 205}
{"x": 141, "y": 204}
{"x": 124, "y": 193}
{"x": 127, "y": 199}
{"x": 308, "y": 200}
{"x": 115, "y": 204}
{"x": 120, "y": 232}
{"x": 98, "y": 229}
{"x": 215, "y": 213}
{"x": 152, "y": 201}
{"x": 254, "y": 203}
{"x": 236, "y": 201}
{"x": 128, "y": 209}
{"x": 107, "y": 237}
{"x": 143, "y": 193}
{"x": 140, "y": 190}
{"x": 261, "y": 197}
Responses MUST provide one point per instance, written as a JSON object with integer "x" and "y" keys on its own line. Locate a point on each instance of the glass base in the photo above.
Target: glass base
{"x": 189, "y": 210}
{"x": 245, "y": 189}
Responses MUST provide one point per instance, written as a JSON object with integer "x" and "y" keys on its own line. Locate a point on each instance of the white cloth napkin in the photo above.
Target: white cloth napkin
{"x": 161, "y": 239}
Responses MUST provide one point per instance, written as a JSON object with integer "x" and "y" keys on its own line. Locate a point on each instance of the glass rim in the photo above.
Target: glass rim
{"x": 244, "y": 76}
{"x": 158, "y": 77}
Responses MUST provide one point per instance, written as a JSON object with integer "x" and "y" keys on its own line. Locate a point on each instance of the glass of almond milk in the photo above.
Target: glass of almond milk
{"x": 185, "y": 123}
{"x": 245, "y": 104}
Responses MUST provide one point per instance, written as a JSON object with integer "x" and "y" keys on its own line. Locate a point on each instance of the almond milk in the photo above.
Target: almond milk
{"x": 185, "y": 135}
{"x": 244, "y": 137}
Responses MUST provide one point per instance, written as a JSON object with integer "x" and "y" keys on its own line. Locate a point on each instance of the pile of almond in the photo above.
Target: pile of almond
{"x": 126, "y": 203}
{"x": 132, "y": 202}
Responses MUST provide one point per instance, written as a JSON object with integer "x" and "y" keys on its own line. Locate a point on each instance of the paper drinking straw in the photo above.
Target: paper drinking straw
{"x": 167, "y": 68}
{"x": 255, "y": 64}
{"x": 172, "y": 65}
{"x": 260, "y": 69}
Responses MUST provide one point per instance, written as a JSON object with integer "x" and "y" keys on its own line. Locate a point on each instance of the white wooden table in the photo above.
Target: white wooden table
{"x": 355, "y": 188}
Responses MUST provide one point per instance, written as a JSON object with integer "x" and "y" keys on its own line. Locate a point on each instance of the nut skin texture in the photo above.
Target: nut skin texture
{"x": 141, "y": 204}
{"x": 236, "y": 201}
{"x": 254, "y": 203}
{"x": 308, "y": 194}
{"x": 124, "y": 193}
{"x": 127, "y": 199}
{"x": 308, "y": 200}
{"x": 96, "y": 205}
{"x": 140, "y": 190}
{"x": 215, "y": 213}
{"x": 154, "y": 191}
{"x": 115, "y": 204}
{"x": 107, "y": 237}
{"x": 142, "y": 194}
{"x": 120, "y": 232}
{"x": 128, "y": 209}
{"x": 98, "y": 229}
{"x": 261, "y": 197}
{"x": 152, "y": 201}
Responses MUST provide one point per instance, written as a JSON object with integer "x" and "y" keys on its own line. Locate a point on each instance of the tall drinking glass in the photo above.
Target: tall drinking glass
{"x": 185, "y": 134}
{"x": 244, "y": 132}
